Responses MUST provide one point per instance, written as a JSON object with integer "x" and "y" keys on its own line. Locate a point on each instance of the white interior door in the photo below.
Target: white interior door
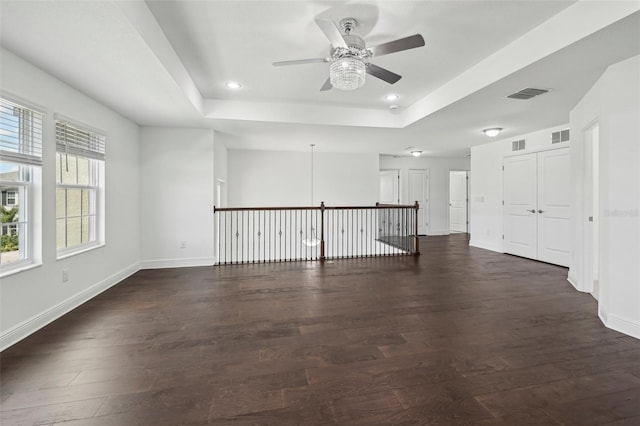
{"x": 419, "y": 191}
{"x": 389, "y": 187}
{"x": 520, "y": 202}
{"x": 554, "y": 194}
{"x": 458, "y": 201}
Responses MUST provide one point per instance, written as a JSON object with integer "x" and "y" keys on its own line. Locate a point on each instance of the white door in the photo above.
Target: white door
{"x": 520, "y": 202}
{"x": 389, "y": 187}
{"x": 458, "y": 201}
{"x": 553, "y": 210}
{"x": 419, "y": 191}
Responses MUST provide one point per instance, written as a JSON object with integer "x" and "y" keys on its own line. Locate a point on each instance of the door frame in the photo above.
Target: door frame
{"x": 590, "y": 229}
{"x": 468, "y": 173}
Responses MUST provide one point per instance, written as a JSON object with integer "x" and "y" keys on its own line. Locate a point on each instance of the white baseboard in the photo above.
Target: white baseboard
{"x": 572, "y": 280}
{"x": 623, "y": 325}
{"x": 177, "y": 263}
{"x": 435, "y": 233}
{"x": 35, "y": 323}
{"x": 480, "y": 244}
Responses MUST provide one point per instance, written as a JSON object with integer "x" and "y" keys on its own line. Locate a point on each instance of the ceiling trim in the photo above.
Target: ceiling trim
{"x": 567, "y": 27}
{"x": 143, "y": 21}
{"x": 301, "y": 113}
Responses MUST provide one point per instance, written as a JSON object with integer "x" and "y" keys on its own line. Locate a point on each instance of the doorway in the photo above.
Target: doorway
{"x": 458, "y": 201}
{"x": 419, "y": 191}
{"x": 220, "y": 197}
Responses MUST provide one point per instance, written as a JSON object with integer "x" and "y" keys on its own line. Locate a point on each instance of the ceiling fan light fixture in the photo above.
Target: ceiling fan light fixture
{"x": 416, "y": 153}
{"x": 347, "y": 73}
{"x": 493, "y": 132}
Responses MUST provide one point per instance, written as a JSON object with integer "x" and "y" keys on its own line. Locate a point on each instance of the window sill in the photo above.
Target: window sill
{"x": 79, "y": 250}
{"x": 18, "y": 269}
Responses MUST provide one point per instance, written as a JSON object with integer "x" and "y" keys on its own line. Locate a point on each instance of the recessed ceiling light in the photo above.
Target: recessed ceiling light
{"x": 233, "y": 85}
{"x": 493, "y": 132}
{"x": 391, "y": 97}
{"x": 393, "y": 107}
{"x": 416, "y": 153}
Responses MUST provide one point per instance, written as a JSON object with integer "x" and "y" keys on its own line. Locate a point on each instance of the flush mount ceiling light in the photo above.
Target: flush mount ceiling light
{"x": 391, "y": 97}
{"x": 416, "y": 153}
{"x": 349, "y": 56}
{"x": 233, "y": 85}
{"x": 493, "y": 132}
{"x": 393, "y": 107}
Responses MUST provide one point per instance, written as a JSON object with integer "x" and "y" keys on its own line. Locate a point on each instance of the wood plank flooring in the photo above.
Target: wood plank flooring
{"x": 458, "y": 336}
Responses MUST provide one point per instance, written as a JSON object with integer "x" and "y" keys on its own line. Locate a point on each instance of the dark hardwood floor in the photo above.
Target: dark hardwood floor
{"x": 457, "y": 336}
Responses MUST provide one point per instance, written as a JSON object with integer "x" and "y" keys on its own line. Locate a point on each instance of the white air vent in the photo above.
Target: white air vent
{"x": 560, "y": 136}
{"x": 527, "y": 93}
{"x": 517, "y": 145}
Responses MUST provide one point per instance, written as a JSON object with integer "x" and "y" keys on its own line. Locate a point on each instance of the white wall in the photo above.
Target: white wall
{"x": 614, "y": 103}
{"x": 33, "y": 298}
{"x": 176, "y": 196}
{"x": 275, "y": 178}
{"x": 486, "y": 184}
{"x": 438, "y": 184}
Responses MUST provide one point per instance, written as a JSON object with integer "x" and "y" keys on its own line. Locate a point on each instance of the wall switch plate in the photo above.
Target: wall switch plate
{"x": 65, "y": 275}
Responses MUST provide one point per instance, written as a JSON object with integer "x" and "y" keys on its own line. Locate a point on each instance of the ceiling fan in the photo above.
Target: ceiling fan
{"x": 350, "y": 56}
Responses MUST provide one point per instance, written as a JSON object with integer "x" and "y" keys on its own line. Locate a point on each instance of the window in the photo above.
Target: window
{"x": 79, "y": 188}
{"x": 11, "y": 198}
{"x": 20, "y": 169}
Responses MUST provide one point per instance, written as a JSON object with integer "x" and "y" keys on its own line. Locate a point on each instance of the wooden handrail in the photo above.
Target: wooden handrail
{"x": 322, "y": 206}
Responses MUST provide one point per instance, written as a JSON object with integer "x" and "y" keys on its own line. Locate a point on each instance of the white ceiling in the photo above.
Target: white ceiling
{"x": 166, "y": 62}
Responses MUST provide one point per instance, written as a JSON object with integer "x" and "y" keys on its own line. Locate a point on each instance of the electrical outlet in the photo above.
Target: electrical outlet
{"x": 183, "y": 244}
{"x": 65, "y": 275}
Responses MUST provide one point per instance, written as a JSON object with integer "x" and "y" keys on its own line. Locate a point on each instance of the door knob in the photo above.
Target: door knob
{"x": 540, "y": 211}
{"x": 531, "y": 211}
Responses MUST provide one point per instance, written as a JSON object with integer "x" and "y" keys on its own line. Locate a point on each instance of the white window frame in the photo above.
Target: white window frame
{"x": 25, "y": 151}
{"x": 95, "y": 186}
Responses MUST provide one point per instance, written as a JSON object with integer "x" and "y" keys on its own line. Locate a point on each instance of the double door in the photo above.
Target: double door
{"x": 537, "y": 206}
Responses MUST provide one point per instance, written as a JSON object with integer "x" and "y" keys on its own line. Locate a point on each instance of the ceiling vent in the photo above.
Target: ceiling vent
{"x": 527, "y": 93}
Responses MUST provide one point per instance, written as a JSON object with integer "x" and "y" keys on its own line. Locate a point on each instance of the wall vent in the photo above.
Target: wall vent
{"x": 517, "y": 145}
{"x": 560, "y": 136}
{"x": 527, "y": 93}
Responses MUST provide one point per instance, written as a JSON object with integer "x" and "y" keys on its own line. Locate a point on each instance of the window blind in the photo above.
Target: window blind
{"x": 74, "y": 140}
{"x": 20, "y": 134}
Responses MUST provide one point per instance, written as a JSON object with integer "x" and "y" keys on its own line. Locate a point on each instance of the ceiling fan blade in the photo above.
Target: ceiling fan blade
{"x": 398, "y": 45}
{"x": 326, "y": 86}
{"x": 332, "y": 32}
{"x": 301, "y": 61}
{"x": 382, "y": 74}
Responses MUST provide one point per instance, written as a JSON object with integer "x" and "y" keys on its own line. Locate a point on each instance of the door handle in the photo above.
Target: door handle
{"x": 531, "y": 211}
{"x": 540, "y": 211}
